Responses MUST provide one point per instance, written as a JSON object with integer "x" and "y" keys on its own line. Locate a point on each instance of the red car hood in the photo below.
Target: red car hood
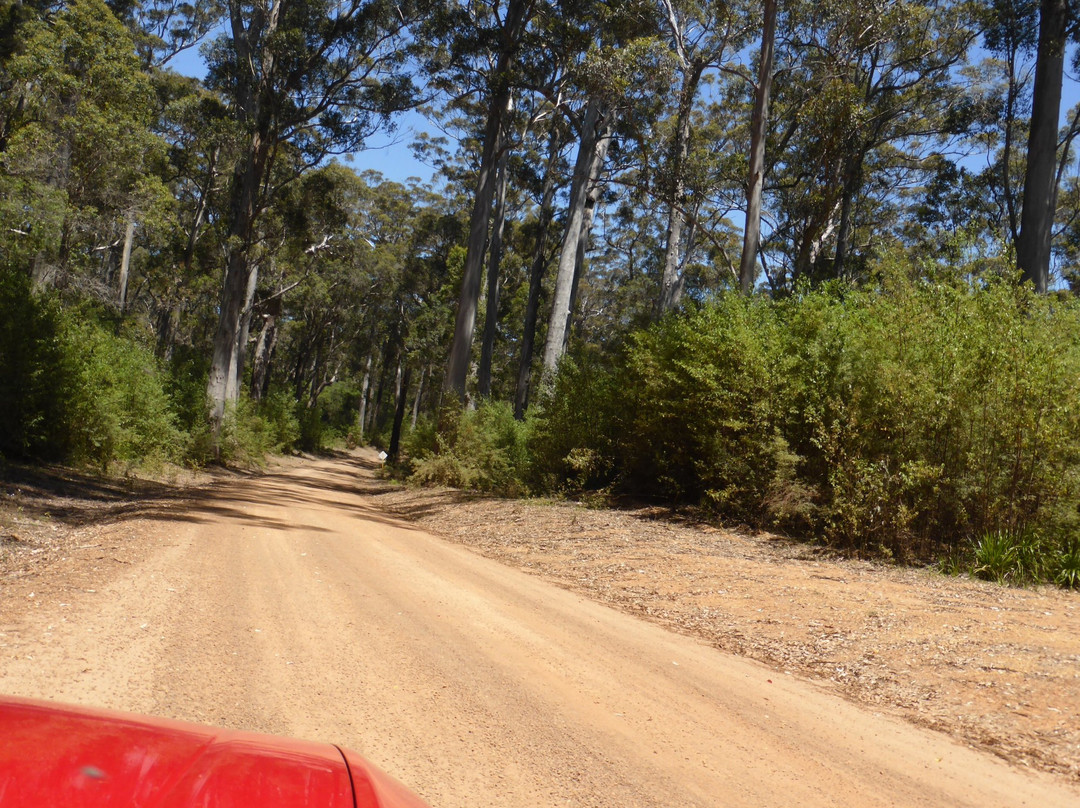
{"x": 78, "y": 758}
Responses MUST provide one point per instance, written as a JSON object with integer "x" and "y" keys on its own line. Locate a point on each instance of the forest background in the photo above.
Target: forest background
{"x": 803, "y": 267}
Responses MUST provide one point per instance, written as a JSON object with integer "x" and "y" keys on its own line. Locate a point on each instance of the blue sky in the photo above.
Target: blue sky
{"x": 388, "y": 154}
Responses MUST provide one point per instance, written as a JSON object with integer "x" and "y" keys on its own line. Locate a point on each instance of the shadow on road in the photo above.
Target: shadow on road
{"x": 75, "y": 498}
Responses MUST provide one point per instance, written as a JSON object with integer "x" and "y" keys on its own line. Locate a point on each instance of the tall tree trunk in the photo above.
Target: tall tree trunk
{"x": 239, "y": 360}
{"x": 399, "y": 413}
{"x": 584, "y": 168}
{"x": 457, "y": 369}
{"x": 536, "y": 280}
{"x": 264, "y": 350}
{"x": 670, "y": 288}
{"x": 1008, "y": 191}
{"x": 419, "y": 395}
{"x": 125, "y": 264}
{"x": 593, "y": 199}
{"x": 1040, "y": 186}
{"x": 384, "y": 375}
{"x": 846, "y": 229}
{"x": 365, "y": 388}
{"x": 168, "y": 321}
{"x": 487, "y": 347}
{"x": 243, "y": 212}
{"x": 759, "y": 129}
{"x": 246, "y": 202}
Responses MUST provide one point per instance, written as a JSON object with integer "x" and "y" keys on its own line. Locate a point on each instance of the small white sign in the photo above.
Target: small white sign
{"x": 383, "y": 456}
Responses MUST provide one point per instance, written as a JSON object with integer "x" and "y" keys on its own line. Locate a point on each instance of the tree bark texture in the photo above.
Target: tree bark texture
{"x": 536, "y": 281}
{"x": 125, "y": 264}
{"x": 419, "y": 395}
{"x": 585, "y": 166}
{"x": 1040, "y": 186}
{"x": 244, "y": 210}
{"x": 591, "y": 202}
{"x": 243, "y": 331}
{"x": 264, "y": 350}
{"x": 365, "y": 388}
{"x": 399, "y": 412}
{"x": 246, "y": 202}
{"x": 457, "y": 369}
{"x": 846, "y": 229}
{"x": 759, "y": 129}
{"x": 670, "y": 288}
{"x": 491, "y": 316}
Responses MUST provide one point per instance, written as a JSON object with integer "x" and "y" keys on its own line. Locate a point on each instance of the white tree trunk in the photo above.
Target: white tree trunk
{"x": 365, "y": 388}
{"x": 759, "y": 127}
{"x": 125, "y": 264}
{"x": 586, "y": 166}
{"x": 239, "y": 353}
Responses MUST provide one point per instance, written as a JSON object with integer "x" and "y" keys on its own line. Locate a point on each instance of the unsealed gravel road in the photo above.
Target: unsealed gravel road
{"x": 289, "y": 603}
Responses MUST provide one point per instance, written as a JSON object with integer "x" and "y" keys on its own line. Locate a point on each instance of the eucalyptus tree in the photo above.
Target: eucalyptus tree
{"x": 704, "y": 35}
{"x": 620, "y": 78}
{"x": 537, "y": 113}
{"x": 759, "y": 126}
{"x": 547, "y": 184}
{"x": 867, "y": 97}
{"x": 72, "y": 170}
{"x": 596, "y": 130}
{"x": 479, "y": 47}
{"x": 202, "y": 145}
{"x": 1057, "y": 22}
{"x": 1003, "y": 83}
{"x": 484, "y": 43}
{"x": 317, "y": 75}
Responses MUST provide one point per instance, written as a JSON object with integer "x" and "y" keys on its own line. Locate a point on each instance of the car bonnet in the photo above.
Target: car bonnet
{"x": 78, "y": 757}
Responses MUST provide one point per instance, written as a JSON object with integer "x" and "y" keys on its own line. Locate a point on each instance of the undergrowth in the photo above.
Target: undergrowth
{"x": 915, "y": 419}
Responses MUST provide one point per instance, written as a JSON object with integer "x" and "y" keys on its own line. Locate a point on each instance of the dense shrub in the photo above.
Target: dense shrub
{"x": 704, "y": 420}
{"x": 338, "y": 408}
{"x": 251, "y": 431}
{"x": 579, "y": 424}
{"x": 71, "y": 388}
{"x": 482, "y": 449}
{"x": 913, "y": 418}
{"x": 944, "y": 412}
{"x": 118, "y": 406}
{"x": 34, "y": 372}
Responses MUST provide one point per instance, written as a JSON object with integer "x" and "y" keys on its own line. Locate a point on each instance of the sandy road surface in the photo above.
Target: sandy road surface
{"x": 290, "y": 604}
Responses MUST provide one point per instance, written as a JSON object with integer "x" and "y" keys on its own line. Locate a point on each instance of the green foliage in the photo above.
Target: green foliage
{"x": 34, "y": 372}
{"x": 73, "y": 389}
{"x": 185, "y": 383}
{"x": 943, "y": 411}
{"x": 1020, "y": 558}
{"x": 332, "y": 421}
{"x": 996, "y": 557}
{"x": 898, "y": 420}
{"x": 118, "y": 406}
{"x": 1066, "y": 567}
{"x": 251, "y": 431}
{"x": 78, "y": 149}
{"x": 577, "y": 426}
{"x": 312, "y": 428}
{"x": 482, "y": 449}
{"x": 705, "y": 422}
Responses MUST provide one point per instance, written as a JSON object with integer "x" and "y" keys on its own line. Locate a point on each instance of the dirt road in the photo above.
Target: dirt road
{"x": 289, "y": 603}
